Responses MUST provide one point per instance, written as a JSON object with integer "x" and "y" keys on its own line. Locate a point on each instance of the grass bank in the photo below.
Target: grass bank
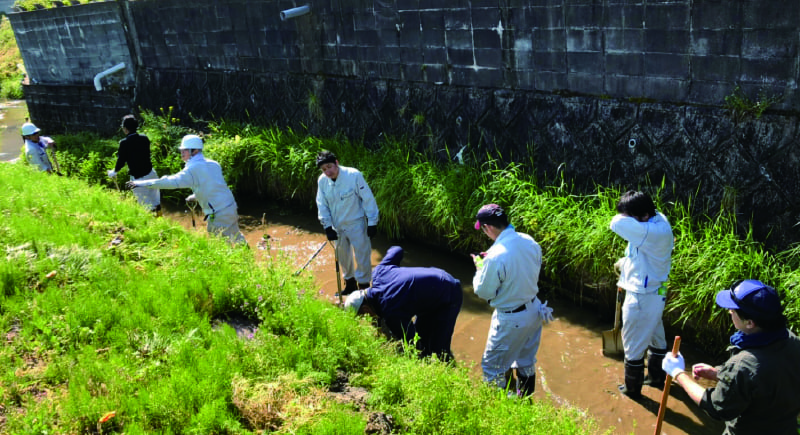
{"x": 11, "y": 66}
{"x": 425, "y": 199}
{"x": 104, "y": 309}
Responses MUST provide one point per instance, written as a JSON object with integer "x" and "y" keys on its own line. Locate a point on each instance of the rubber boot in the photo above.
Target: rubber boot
{"x": 157, "y": 211}
{"x": 634, "y": 377}
{"x": 655, "y": 374}
{"x": 363, "y": 286}
{"x": 350, "y": 286}
{"x": 526, "y": 385}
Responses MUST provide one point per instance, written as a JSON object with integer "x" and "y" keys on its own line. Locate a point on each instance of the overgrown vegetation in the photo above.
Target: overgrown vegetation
{"x": 741, "y": 107}
{"x": 423, "y": 198}
{"x": 107, "y": 320}
{"x": 12, "y": 69}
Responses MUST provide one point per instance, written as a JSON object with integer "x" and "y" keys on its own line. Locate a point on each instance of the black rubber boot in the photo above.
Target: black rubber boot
{"x": 350, "y": 286}
{"x": 634, "y": 377}
{"x": 363, "y": 285}
{"x": 655, "y": 374}
{"x": 157, "y": 211}
{"x": 526, "y": 385}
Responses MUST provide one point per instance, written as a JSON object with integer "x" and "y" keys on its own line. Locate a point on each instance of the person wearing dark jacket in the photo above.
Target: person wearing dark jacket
{"x": 757, "y": 389}
{"x": 398, "y": 294}
{"x": 134, "y": 150}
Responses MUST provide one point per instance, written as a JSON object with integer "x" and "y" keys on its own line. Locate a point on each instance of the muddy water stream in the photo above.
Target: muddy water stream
{"x": 571, "y": 369}
{"x": 12, "y": 116}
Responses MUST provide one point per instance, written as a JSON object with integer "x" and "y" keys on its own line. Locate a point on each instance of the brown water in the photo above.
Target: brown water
{"x": 572, "y": 370}
{"x": 12, "y": 116}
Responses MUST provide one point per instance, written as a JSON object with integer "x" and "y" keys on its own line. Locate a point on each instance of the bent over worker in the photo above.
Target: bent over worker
{"x": 758, "y": 387}
{"x": 348, "y": 212}
{"x": 398, "y": 294}
{"x": 508, "y": 279}
{"x": 134, "y": 150}
{"x": 209, "y": 189}
{"x": 643, "y": 273}
{"x": 36, "y": 147}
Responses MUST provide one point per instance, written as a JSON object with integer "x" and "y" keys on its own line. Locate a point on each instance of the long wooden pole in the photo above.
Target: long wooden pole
{"x": 662, "y": 408}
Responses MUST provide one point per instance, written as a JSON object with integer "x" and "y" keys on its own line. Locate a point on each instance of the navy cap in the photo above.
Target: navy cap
{"x": 753, "y": 297}
{"x": 490, "y": 213}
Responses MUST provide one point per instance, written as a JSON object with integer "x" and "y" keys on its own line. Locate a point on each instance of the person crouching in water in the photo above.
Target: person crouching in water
{"x": 134, "y": 150}
{"x": 208, "y": 186}
{"x": 400, "y": 293}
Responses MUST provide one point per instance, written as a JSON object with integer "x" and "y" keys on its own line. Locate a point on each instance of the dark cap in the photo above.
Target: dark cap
{"x": 490, "y": 214}
{"x": 325, "y": 157}
{"x": 753, "y": 297}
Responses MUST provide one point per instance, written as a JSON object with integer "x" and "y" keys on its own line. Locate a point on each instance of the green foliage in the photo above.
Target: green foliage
{"x": 92, "y": 327}
{"x": 742, "y": 108}
{"x": 11, "y": 66}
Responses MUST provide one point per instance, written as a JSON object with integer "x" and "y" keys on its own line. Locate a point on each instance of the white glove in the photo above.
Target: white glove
{"x": 546, "y": 313}
{"x": 673, "y": 364}
{"x": 191, "y": 198}
{"x": 112, "y": 174}
{"x": 618, "y": 266}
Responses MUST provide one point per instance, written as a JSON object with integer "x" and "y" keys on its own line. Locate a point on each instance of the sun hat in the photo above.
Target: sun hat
{"x": 751, "y": 296}
{"x": 355, "y": 299}
{"x": 490, "y": 214}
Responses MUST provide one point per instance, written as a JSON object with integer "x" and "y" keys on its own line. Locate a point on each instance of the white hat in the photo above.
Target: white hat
{"x": 28, "y": 128}
{"x": 355, "y": 299}
{"x": 191, "y": 142}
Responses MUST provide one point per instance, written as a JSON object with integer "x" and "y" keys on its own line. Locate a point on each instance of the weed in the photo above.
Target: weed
{"x": 742, "y": 108}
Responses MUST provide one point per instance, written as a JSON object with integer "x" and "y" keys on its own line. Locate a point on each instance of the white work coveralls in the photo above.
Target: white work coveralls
{"x": 36, "y": 153}
{"x": 343, "y": 204}
{"x": 509, "y": 279}
{"x": 643, "y": 273}
{"x": 205, "y": 178}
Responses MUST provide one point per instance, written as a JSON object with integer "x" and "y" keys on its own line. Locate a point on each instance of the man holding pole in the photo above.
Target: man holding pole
{"x": 758, "y": 387}
{"x": 644, "y": 271}
{"x": 347, "y": 210}
{"x": 36, "y": 147}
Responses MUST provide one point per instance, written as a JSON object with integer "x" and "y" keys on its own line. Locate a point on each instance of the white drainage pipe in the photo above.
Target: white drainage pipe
{"x": 111, "y": 70}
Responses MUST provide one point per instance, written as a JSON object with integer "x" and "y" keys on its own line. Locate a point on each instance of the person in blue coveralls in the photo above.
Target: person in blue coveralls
{"x": 412, "y": 300}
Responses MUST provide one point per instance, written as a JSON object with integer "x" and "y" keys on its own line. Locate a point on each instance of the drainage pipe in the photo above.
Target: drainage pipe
{"x": 295, "y": 12}
{"x": 111, "y": 70}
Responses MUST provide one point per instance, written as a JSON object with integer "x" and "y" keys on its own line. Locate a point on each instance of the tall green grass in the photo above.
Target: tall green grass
{"x": 104, "y": 308}
{"x": 423, "y": 198}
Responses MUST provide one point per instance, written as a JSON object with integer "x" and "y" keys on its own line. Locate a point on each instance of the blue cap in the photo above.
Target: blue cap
{"x": 753, "y": 297}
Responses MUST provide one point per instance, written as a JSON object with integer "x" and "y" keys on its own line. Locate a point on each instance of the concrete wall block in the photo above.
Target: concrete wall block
{"x": 622, "y": 86}
{"x": 587, "y": 16}
{"x": 434, "y": 73}
{"x": 666, "y": 41}
{"x": 757, "y": 15}
{"x": 458, "y": 19}
{"x": 624, "y": 40}
{"x": 716, "y": 42}
{"x": 625, "y": 64}
{"x": 712, "y": 92}
{"x": 591, "y": 84}
{"x": 433, "y": 38}
{"x": 625, "y": 16}
{"x": 590, "y": 63}
{"x": 435, "y": 55}
{"x": 667, "y": 15}
{"x": 665, "y": 89}
{"x": 486, "y": 39}
{"x": 555, "y": 62}
{"x": 550, "y": 81}
{"x": 431, "y": 19}
{"x": 766, "y": 70}
{"x": 584, "y": 40}
{"x": 410, "y": 37}
{"x": 460, "y": 57}
{"x": 367, "y": 38}
{"x": 666, "y": 65}
{"x": 459, "y": 39}
{"x": 715, "y": 68}
{"x": 765, "y": 44}
{"x": 549, "y": 40}
{"x": 709, "y": 15}
{"x": 488, "y": 58}
{"x": 413, "y": 54}
{"x": 548, "y": 17}
{"x": 486, "y": 18}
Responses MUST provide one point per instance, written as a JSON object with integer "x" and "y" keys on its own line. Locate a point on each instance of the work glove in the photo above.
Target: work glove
{"x": 131, "y": 185}
{"x": 191, "y": 198}
{"x": 372, "y": 230}
{"x": 546, "y": 313}
{"x": 112, "y": 173}
{"x": 673, "y": 365}
{"x": 331, "y": 234}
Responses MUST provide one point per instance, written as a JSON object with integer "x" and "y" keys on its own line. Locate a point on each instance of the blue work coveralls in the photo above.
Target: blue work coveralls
{"x": 431, "y": 294}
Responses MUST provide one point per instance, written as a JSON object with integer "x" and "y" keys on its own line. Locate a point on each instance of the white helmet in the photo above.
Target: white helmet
{"x": 28, "y": 129}
{"x": 191, "y": 142}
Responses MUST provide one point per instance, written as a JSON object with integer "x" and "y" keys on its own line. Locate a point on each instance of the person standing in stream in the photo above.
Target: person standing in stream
{"x": 644, "y": 271}
{"x": 134, "y": 150}
{"x": 347, "y": 210}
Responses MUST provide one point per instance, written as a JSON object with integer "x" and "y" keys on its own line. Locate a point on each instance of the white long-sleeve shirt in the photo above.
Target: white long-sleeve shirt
{"x": 345, "y": 200}
{"x": 648, "y": 256}
{"x": 205, "y": 178}
{"x": 509, "y": 276}
{"x": 36, "y": 153}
